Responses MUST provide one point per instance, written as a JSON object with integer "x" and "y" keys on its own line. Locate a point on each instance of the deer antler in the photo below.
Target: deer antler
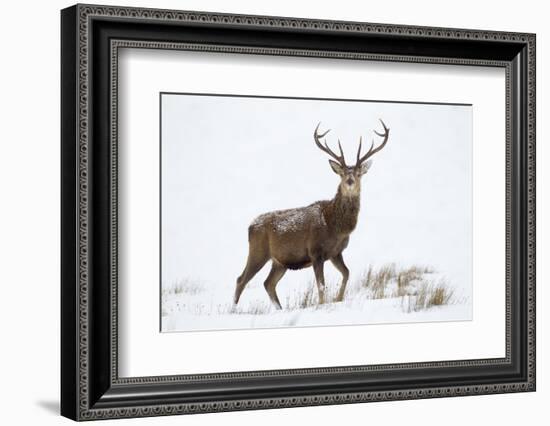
{"x": 372, "y": 151}
{"x": 324, "y": 147}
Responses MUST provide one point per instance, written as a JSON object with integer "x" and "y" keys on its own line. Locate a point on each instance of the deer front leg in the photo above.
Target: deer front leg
{"x": 339, "y": 264}
{"x": 276, "y": 273}
{"x": 320, "y": 279}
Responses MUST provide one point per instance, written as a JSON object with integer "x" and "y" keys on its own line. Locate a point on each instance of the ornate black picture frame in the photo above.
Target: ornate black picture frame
{"x": 90, "y": 385}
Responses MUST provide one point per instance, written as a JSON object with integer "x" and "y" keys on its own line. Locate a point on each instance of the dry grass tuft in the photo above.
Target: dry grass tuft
{"x": 377, "y": 281}
{"x": 258, "y": 307}
{"x": 414, "y": 283}
{"x": 307, "y": 299}
{"x": 184, "y": 286}
{"x": 432, "y": 295}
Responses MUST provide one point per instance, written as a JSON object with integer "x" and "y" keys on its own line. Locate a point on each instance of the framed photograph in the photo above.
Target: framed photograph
{"x": 263, "y": 212}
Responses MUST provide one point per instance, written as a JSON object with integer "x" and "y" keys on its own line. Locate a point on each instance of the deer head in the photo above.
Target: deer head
{"x": 350, "y": 176}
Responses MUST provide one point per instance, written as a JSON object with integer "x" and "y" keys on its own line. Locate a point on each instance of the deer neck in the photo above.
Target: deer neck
{"x": 343, "y": 212}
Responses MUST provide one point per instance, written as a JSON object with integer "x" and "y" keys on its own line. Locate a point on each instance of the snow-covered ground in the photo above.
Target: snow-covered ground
{"x": 194, "y": 306}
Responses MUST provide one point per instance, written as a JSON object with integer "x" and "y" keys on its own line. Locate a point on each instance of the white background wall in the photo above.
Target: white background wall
{"x": 29, "y": 225}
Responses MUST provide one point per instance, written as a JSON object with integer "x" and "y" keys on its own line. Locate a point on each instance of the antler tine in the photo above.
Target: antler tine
{"x": 371, "y": 150}
{"x": 341, "y": 152}
{"x": 324, "y": 146}
{"x": 358, "y": 160}
{"x": 316, "y": 135}
{"x": 386, "y": 130}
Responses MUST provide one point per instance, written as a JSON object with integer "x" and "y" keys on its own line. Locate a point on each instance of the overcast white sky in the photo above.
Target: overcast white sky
{"x": 226, "y": 160}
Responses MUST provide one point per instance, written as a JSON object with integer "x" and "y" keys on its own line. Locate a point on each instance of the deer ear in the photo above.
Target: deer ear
{"x": 365, "y": 167}
{"x": 336, "y": 167}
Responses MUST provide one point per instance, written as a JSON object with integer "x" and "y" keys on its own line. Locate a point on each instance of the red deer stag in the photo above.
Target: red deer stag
{"x": 309, "y": 236}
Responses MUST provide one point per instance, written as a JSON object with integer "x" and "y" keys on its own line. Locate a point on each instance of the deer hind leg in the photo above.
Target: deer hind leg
{"x": 320, "y": 279}
{"x": 253, "y": 265}
{"x": 275, "y": 275}
{"x": 339, "y": 264}
{"x": 258, "y": 255}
